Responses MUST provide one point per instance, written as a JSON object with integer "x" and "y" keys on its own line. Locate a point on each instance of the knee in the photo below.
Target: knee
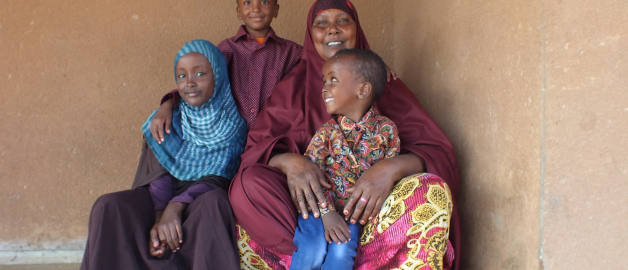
{"x": 123, "y": 201}
{"x": 253, "y": 182}
{"x": 342, "y": 255}
{"x": 216, "y": 197}
{"x": 107, "y": 201}
{"x": 253, "y": 177}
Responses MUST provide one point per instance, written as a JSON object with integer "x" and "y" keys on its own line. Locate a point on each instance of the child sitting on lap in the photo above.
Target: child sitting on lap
{"x": 353, "y": 140}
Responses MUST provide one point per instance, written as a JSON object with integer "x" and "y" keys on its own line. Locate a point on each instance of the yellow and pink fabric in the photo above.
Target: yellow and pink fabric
{"x": 411, "y": 232}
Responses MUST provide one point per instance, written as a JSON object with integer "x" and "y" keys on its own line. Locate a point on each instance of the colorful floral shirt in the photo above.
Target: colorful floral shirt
{"x": 344, "y": 149}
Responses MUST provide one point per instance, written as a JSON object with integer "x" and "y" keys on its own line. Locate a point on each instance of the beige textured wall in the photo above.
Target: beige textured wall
{"x": 585, "y": 217}
{"x": 476, "y": 69}
{"x": 533, "y": 96}
{"x": 77, "y": 80}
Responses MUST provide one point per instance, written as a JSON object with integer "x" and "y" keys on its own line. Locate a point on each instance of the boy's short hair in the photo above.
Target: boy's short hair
{"x": 369, "y": 66}
{"x": 238, "y": 2}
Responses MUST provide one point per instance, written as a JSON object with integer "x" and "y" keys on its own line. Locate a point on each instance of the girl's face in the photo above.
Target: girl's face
{"x": 195, "y": 79}
{"x": 332, "y": 30}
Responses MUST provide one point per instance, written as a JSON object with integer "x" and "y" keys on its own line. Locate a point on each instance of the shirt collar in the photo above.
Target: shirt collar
{"x": 242, "y": 33}
{"x": 347, "y": 124}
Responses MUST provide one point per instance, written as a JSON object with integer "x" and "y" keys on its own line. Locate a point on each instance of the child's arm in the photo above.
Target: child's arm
{"x": 336, "y": 228}
{"x": 167, "y": 229}
{"x": 163, "y": 117}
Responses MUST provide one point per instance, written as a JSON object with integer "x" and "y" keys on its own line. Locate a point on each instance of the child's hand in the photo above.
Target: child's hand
{"x": 390, "y": 73}
{"x": 155, "y": 247}
{"x": 336, "y": 228}
{"x": 162, "y": 117}
{"x": 169, "y": 227}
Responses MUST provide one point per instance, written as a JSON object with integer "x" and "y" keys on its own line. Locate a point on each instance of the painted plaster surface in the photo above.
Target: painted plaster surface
{"x": 586, "y": 116}
{"x": 476, "y": 68}
{"x": 77, "y": 80}
{"x": 533, "y": 96}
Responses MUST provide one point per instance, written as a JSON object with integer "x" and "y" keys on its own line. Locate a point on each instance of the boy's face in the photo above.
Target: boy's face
{"x": 195, "y": 79}
{"x": 341, "y": 90}
{"x": 257, "y": 15}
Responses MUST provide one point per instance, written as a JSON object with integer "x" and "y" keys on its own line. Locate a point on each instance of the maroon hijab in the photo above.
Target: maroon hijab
{"x": 295, "y": 111}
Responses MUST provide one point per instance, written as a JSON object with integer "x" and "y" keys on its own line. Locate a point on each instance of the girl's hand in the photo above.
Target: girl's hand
{"x": 390, "y": 73}
{"x": 169, "y": 227}
{"x": 155, "y": 247}
{"x": 336, "y": 228}
{"x": 162, "y": 117}
{"x": 304, "y": 181}
{"x": 372, "y": 189}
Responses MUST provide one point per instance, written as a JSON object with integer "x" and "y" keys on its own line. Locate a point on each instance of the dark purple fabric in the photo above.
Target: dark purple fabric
{"x": 161, "y": 192}
{"x": 254, "y": 69}
{"x": 194, "y": 191}
{"x": 322, "y": 5}
{"x": 119, "y": 228}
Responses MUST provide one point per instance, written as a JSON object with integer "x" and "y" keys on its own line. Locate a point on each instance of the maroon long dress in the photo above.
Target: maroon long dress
{"x": 259, "y": 193}
{"x": 120, "y": 222}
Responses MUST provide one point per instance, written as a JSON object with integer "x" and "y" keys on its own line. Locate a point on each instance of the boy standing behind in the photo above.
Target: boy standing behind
{"x": 257, "y": 60}
{"x": 347, "y": 145}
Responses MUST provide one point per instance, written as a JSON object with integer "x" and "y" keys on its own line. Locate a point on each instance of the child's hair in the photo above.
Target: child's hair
{"x": 368, "y": 65}
{"x": 238, "y": 2}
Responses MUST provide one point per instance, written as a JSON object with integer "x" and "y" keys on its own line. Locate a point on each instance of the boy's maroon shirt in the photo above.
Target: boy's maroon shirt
{"x": 255, "y": 69}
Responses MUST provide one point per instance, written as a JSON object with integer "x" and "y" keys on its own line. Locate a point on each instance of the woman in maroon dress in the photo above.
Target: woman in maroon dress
{"x": 406, "y": 203}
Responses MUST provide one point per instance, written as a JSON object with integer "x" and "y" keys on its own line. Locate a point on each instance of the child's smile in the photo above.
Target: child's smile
{"x": 257, "y": 15}
{"x": 195, "y": 79}
{"x": 340, "y": 90}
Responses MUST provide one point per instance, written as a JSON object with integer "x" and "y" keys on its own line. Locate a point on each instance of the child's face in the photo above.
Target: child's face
{"x": 195, "y": 79}
{"x": 342, "y": 88}
{"x": 257, "y": 15}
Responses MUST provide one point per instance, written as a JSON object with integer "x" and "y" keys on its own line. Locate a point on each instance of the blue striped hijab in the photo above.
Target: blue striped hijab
{"x": 203, "y": 140}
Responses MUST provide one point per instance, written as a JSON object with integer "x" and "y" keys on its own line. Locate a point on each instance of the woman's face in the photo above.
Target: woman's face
{"x": 332, "y": 30}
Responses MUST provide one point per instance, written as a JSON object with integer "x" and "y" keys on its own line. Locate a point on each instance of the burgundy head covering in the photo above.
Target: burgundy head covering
{"x": 322, "y": 5}
{"x": 295, "y": 111}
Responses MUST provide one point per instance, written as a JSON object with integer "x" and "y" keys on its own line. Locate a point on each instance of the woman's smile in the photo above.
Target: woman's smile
{"x": 333, "y": 30}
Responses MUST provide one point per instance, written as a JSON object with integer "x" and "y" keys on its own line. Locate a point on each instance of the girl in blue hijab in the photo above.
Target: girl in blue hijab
{"x": 208, "y": 133}
{"x": 185, "y": 176}
{"x": 205, "y": 143}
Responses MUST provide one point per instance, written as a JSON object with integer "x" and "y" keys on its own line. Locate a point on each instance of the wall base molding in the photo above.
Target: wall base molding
{"x": 9, "y": 257}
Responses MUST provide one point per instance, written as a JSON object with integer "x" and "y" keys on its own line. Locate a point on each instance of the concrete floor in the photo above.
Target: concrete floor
{"x": 70, "y": 266}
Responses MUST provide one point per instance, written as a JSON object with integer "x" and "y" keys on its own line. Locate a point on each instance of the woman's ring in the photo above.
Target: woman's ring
{"x": 364, "y": 200}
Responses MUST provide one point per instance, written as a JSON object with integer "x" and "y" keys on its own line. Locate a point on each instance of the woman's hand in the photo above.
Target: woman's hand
{"x": 162, "y": 117}
{"x": 169, "y": 227}
{"x": 336, "y": 228}
{"x": 390, "y": 73}
{"x": 304, "y": 180}
{"x": 372, "y": 189}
